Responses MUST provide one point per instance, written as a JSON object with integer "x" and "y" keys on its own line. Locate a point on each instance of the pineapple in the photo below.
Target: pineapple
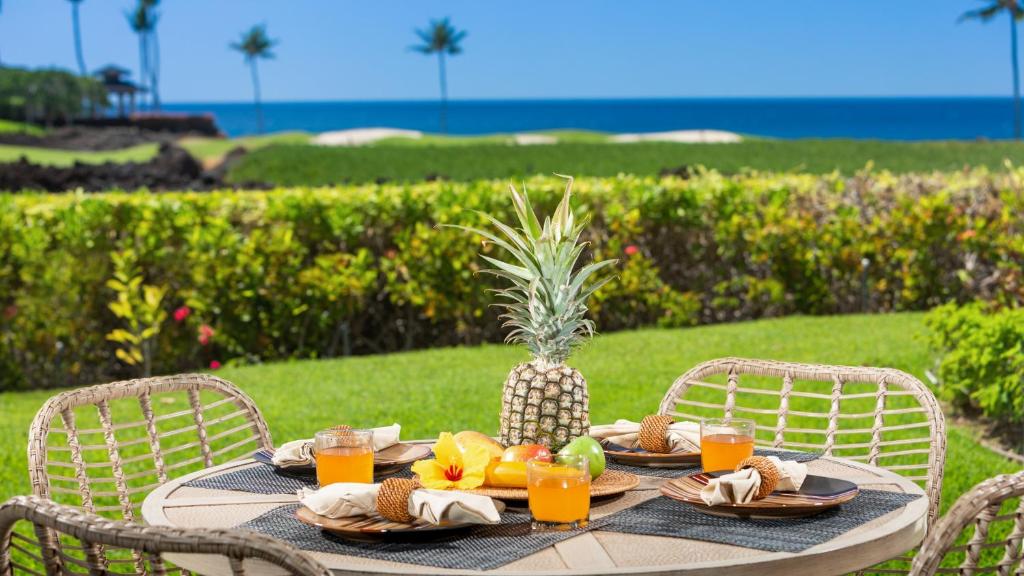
{"x": 544, "y": 401}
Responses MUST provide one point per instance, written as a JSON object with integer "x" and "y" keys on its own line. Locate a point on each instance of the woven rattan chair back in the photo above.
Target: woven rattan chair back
{"x": 103, "y": 448}
{"x": 880, "y": 416}
{"x": 94, "y": 535}
{"x": 995, "y": 510}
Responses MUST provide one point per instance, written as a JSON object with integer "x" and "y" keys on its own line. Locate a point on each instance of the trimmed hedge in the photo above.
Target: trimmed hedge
{"x": 203, "y": 279}
{"x": 982, "y": 363}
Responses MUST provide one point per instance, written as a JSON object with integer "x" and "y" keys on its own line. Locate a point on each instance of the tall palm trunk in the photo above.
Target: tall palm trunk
{"x": 256, "y": 94}
{"x": 1016, "y": 76}
{"x": 444, "y": 92}
{"x": 143, "y": 67}
{"x": 77, "y": 30}
{"x": 154, "y": 70}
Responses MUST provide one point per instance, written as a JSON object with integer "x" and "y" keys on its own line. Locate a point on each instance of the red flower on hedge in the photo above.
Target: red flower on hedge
{"x": 205, "y": 334}
{"x": 10, "y": 312}
{"x": 181, "y": 313}
{"x": 214, "y": 365}
{"x": 631, "y": 250}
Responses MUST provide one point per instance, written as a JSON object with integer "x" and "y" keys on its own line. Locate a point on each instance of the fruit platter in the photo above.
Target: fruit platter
{"x": 504, "y": 469}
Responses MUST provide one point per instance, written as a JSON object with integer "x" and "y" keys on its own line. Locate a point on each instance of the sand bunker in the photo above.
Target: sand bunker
{"x": 361, "y": 136}
{"x": 531, "y": 139}
{"x": 689, "y": 136}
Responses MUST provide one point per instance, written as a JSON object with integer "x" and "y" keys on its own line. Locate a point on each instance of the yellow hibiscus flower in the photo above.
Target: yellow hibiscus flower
{"x": 453, "y": 468}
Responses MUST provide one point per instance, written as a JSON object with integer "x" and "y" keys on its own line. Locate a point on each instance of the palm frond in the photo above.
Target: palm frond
{"x": 439, "y": 36}
{"x": 254, "y": 43}
{"x": 986, "y": 13}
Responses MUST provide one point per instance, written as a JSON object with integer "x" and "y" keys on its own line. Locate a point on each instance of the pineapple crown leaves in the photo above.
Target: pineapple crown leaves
{"x": 546, "y": 298}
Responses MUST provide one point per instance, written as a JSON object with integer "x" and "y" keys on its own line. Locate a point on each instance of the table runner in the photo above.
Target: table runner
{"x": 479, "y": 547}
{"x": 667, "y": 517}
{"x": 688, "y": 471}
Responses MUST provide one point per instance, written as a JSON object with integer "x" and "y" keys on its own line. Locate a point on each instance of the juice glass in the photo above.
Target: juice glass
{"x": 559, "y": 492}
{"x": 724, "y": 443}
{"x": 343, "y": 455}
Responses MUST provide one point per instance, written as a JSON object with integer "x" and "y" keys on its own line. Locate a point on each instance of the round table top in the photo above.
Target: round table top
{"x": 593, "y": 552}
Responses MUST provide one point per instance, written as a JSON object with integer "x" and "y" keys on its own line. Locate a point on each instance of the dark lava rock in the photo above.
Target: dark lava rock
{"x": 83, "y": 138}
{"x": 172, "y": 168}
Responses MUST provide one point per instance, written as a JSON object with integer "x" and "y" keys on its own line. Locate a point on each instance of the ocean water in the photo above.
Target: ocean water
{"x": 864, "y": 118}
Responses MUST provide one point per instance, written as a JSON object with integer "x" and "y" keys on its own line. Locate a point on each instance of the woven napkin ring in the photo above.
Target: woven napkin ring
{"x": 393, "y": 499}
{"x": 343, "y": 434}
{"x": 768, "y": 471}
{"x": 654, "y": 433}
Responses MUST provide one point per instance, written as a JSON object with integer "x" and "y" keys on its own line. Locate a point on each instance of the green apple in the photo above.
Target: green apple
{"x": 587, "y": 446}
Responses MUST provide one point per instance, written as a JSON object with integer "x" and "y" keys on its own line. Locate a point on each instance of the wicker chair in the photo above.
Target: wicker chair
{"x": 984, "y": 508}
{"x": 232, "y": 549}
{"x": 880, "y": 416}
{"x": 103, "y": 448}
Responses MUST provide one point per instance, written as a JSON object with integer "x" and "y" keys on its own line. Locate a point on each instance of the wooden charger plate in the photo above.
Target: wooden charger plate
{"x": 375, "y": 527}
{"x": 623, "y": 455}
{"x": 816, "y": 495}
{"x": 384, "y": 461}
{"x": 610, "y": 483}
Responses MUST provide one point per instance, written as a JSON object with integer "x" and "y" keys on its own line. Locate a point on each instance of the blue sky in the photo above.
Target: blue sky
{"x": 348, "y": 50}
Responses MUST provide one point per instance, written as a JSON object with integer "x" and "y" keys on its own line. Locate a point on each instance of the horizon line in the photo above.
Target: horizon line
{"x": 595, "y": 99}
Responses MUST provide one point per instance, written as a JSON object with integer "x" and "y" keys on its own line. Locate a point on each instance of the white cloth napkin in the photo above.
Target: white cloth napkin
{"x": 345, "y": 499}
{"x": 300, "y": 452}
{"x": 682, "y": 436}
{"x": 740, "y": 487}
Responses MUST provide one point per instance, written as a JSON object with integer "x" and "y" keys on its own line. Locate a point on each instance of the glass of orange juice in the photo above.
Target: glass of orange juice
{"x": 343, "y": 455}
{"x": 559, "y": 492}
{"x": 724, "y": 443}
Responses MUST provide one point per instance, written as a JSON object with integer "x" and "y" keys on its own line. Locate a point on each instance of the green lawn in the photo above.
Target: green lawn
{"x": 55, "y": 157}
{"x": 7, "y": 126}
{"x": 285, "y": 158}
{"x": 399, "y": 159}
{"x": 459, "y": 388}
{"x": 214, "y": 148}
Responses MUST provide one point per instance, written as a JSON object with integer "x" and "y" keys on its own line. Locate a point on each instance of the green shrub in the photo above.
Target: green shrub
{"x": 982, "y": 365}
{"x": 253, "y": 276}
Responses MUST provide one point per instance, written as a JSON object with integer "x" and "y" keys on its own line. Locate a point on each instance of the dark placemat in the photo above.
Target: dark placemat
{"x": 666, "y": 517}
{"x": 688, "y": 471}
{"x": 478, "y": 547}
{"x": 264, "y": 479}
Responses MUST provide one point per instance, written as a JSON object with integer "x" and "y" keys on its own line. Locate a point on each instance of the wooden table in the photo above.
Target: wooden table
{"x": 595, "y": 552}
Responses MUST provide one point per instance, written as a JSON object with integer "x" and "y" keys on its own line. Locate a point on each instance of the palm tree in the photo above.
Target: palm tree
{"x": 255, "y": 44}
{"x": 142, "y": 21}
{"x": 77, "y": 30}
{"x": 154, "y": 46}
{"x": 441, "y": 38}
{"x": 1015, "y": 11}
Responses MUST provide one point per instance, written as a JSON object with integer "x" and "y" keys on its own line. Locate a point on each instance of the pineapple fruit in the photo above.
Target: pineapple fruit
{"x": 544, "y": 304}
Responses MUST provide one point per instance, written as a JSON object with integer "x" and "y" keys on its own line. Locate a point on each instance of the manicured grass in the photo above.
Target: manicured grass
{"x": 459, "y": 388}
{"x": 7, "y": 126}
{"x": 211, "y": 149}
{"x": 54, "y": 157}
{"x": 315, "y": 165}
